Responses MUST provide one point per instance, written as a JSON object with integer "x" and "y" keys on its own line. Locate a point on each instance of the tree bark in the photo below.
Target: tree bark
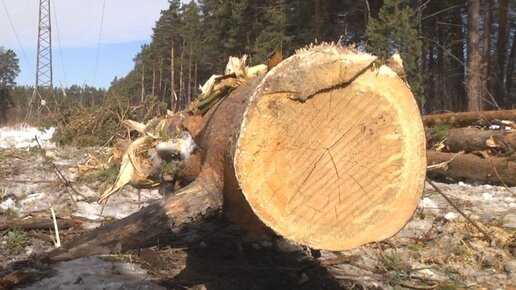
{"x": 143, "y": 84}
{"x": 446, "y": 102}
{"x": 317, "y": 150}
{"x": 473, "y": 139}
{"x": 173, "y": 99}
{"x": 474, "y": 67}
{"x": 189, "y": 88}
{"x": 501, "y": 47}
{"x": 160, "y": 82}
{"x": 498, "y": 170}
{"x": 510, "y": 72}
{"x": 456, "y": 78}
{"x": 153, "y": 90}
{"x": 467, "y": 118}
{"x": 181, "y": 83}
{"x": 486, "y": 54}
{"x": 195, "y": 86}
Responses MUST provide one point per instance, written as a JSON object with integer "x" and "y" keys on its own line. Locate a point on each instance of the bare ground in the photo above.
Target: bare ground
{"x": 437, "y": 249}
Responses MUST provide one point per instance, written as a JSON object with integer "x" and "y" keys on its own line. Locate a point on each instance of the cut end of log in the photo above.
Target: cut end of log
{"x": 335, "y": 159}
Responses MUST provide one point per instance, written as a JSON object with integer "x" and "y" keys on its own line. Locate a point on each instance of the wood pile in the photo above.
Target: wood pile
{"x": 477, "y": 146}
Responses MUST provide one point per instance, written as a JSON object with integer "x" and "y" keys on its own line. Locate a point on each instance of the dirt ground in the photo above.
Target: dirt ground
{"x": 437, "y": 249}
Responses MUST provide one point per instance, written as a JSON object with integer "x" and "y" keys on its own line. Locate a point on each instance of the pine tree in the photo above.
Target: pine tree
{"x": 273, "y": 30}
{"x": 9, "y": 68}
{"x": 395, "y": 30}
{"x": 430, "y": 35}
{"x": 191, "y": 35}
{"x": 474, "y": 67}
{"x": 216, "y": 24}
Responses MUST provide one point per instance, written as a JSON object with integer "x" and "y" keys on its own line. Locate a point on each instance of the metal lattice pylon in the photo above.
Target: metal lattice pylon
{"x": 43, "y": 87}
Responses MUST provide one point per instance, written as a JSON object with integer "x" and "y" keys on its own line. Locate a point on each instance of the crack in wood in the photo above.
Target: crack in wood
{"x": 338, "y": 176}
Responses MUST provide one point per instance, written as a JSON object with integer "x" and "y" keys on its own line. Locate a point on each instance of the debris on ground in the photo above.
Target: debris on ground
{"x": 437, "y": 248}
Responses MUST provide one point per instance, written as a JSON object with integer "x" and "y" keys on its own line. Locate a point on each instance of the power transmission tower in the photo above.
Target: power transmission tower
{"x": 43, "y": 87}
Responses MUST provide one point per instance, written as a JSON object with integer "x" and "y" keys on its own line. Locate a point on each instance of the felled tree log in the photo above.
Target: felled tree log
{"x": 327, "y": 150}
{"x": 498, "y": 170}
{"x": 473, "y": 139}
{"x": 193, "y": 203}
{"x": 38, "y": 224}
{"x": 467, "y": 118}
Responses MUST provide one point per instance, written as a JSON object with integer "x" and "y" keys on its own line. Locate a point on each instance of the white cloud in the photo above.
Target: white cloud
{"x": 78, "y": 21}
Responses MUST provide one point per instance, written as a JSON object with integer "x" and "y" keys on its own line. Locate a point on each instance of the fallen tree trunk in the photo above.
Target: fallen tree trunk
{"x": 498, "y": 170}
{"x": 326, "y": 150}
{"x": 473, "y": 139}
{"x": 193, "y": 203}
{"x": 463, "y": 119}
{"x": 38, "y": 224}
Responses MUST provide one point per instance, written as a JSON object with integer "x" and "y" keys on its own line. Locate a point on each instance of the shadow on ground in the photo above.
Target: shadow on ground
{"x": 222, "y": 261}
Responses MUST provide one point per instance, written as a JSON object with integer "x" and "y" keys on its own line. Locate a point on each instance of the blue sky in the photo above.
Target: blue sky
{"x": 127, "y": 25}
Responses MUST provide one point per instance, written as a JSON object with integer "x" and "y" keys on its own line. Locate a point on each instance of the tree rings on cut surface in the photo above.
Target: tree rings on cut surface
{"x": 331, "y": 151}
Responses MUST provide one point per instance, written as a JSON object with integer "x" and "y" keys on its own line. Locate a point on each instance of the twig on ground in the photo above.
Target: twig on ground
{"x": 354, "y": 278}
{"x": 418, "y": 287}
{"x": 27, "y": 180}
{"x": 88, "y": 220}
{"x": 456, "y": 207}
{"x": 56, "y": 228}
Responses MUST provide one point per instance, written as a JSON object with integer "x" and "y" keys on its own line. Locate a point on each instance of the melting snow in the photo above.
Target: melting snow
{"x": 451, "y": 216}
{"x": 96, "y": 273}
{"x": 22, "y": 136}
{"x": 487, "y": 196}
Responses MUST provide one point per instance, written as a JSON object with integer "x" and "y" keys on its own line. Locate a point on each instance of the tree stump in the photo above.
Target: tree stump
{"x": 327, "y": 150}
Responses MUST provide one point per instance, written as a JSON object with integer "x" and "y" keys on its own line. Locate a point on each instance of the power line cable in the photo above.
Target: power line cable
{"x": 59, "y": 43}
{"x": 98, "y": 46}
{"x": 17, "y": 38}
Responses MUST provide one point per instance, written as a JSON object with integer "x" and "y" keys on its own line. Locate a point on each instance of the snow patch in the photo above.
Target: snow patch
{"x": 8, "y": 203}
{"x": 33, "y": 197}
{"x": 96, "y": 273}
{"x": 451, "y": 216}
{"x": 427, "y": 203}
{"x": 487, "y": 196}
{"x": 95, "y": 212}
{"x": 21, "y": 136}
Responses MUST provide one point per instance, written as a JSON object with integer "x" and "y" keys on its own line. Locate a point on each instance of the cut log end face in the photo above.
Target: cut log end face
{"x": 339, "y": 169}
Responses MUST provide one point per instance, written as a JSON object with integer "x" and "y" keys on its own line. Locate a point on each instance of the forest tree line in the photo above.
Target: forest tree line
{"x": 458, "y": 55}
{"x": 192, "y": 41}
